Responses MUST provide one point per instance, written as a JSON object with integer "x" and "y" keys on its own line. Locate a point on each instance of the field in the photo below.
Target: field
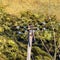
{"x": 15, "y": 7}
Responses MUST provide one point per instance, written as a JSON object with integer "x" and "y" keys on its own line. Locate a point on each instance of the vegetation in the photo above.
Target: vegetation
{"x": 14, "y": 36}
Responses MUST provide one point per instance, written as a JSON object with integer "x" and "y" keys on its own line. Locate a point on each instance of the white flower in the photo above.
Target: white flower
{"x": 44, "y": 23}
{"x": 18, "y": 27}
{"x": 24, "y": 26}
{"x": 59, "y": 55}
{"x": 44, "y": 28}
{"x": 37, "y": 28}
{"x": 19, "y": 32}
{"x": 50, "y": 18}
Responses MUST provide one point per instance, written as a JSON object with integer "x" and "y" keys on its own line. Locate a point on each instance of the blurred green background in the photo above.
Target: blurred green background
{"x": 14, "y": 34}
